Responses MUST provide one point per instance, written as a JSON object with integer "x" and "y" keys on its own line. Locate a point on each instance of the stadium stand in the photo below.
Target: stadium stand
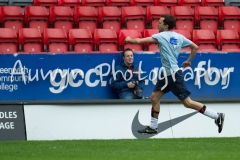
{"x": 86, "y": 17}
{"x": 31, "y": 40}
{"x": 184, "y": 17}
{"x": 36, "y": 17}
{"x": 55, "y": 40}
{"x": 152, "y": 46}
{"x": 61, "y": 17}
{"x": 134, "y": 17}
{"x": 12, "y": 17}
{"x": 8, "y": 40}
{"x": 228, "y": 40}
{"x": 153, "y": 13}
{"x": 109, "y": 17}
{"x": 232, "y": 3}
{"x": 205, "y": 39}
{"x": 133, "y": 34}
{"x": 206, "y": 17}
{"x": 106, "y": 40}
{"x": 229, "y": 17}
{"x": 82, "y": 17}
{"x": 81, "y": 40}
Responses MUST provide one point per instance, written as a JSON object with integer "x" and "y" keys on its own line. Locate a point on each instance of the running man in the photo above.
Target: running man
{"x": 170, "y": 44}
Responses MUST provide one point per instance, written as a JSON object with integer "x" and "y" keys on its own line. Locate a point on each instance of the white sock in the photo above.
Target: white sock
{"x": 154, "y": 123}
{"x": 211, "y": 113}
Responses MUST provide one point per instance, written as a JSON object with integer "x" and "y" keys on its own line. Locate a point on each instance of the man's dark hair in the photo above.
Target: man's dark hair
{"x": 169, "y": 20}
{"x": 125, "y": 50}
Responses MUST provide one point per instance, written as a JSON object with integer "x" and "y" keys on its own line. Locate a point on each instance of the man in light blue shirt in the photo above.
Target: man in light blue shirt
{"x": 170, "y": 44}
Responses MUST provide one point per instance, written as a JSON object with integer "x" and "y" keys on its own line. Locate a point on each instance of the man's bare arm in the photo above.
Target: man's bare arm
{"x": 194, "y": 49}
{"x": 140, "y": 40}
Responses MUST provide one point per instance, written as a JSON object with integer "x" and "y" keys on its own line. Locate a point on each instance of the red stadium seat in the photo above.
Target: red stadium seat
{"x": 106, "y": 40}
{"x": 205, "y": 39}
{"x": 8, "y": 40}
{"x": 31, "y": 40}
{"x": 56, "y": 40}
{"x": 214, "y": 3}
{"x": 86, "y": 17}
{"x": 45, "y": 3}
{"x": 61, "y": 17}
{"x": 71, "y": 3}
{"x": 81, "y": 40}
{"x": 118, "y": 3}
{"x": 134, "y": 17}
{"x": 12, "y": 17}
{"x": 229, "y": 17}
{"x": 191, "y": 3}
{"x": 36, "y": 17}
{"x": 143, "y": 3}
{"x": 152, "y": 46}
{"x": 228, "y": 40}
{"x": 154, "y": 13}
{"x": 184, "y": 17}
{"x": 185, "y": 33}
{"x": 110, "y": 18}
{"x": 94, "y": 3}
{"x": 168, "y": 3}
{"x": 206, "y": 17}
{"x": 133, "y": 34}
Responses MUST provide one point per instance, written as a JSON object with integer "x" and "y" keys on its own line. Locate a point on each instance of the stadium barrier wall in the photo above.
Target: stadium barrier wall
{"x": 75, "y": 77}
{"x": 111, "y": 121}
{"x": 120, "y": 121}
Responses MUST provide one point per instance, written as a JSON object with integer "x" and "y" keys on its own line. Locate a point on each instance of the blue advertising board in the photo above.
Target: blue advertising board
{"x": 72, "y": 76}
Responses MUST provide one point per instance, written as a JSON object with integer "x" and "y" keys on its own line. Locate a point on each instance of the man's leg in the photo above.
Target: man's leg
{"x": 218, "y": 117}
{"x": 155, "y": 99}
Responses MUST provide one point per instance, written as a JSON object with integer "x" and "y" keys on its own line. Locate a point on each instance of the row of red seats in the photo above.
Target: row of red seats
{"x": 128, "y": 2}
{"x": 132, "y": 17}
{"x": 104, "y": 40}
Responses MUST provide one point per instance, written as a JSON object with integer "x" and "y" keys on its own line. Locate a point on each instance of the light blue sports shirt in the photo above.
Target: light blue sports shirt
{"x": 170, "y": 44}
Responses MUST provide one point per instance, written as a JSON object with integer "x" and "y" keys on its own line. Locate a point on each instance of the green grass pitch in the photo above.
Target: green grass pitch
{"x": 139, "y": 149}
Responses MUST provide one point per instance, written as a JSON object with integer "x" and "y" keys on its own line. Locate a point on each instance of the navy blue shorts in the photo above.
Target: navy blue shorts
{"x": 178, "y": 88}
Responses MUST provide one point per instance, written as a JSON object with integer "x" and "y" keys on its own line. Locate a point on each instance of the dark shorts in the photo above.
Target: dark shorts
{"x": 177, "y": 87}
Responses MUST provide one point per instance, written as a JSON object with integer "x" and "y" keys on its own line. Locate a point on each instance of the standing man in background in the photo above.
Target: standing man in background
{"x": 129, "y": 87}
{"x": 169, "y": 44}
